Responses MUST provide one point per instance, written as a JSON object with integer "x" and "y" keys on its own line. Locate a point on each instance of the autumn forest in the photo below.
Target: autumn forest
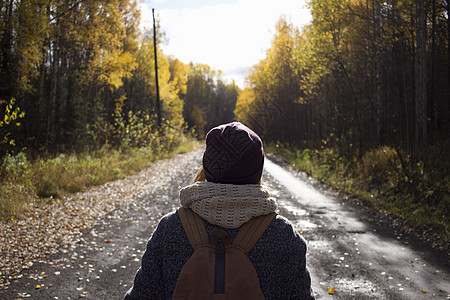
{"x": 363, "y": 89}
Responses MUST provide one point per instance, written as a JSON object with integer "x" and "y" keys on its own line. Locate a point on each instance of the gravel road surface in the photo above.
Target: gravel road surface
{"x": 352, "y": 252}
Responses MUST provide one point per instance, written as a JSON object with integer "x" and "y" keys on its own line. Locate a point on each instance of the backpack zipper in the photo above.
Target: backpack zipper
{"x": 219, "y": 279}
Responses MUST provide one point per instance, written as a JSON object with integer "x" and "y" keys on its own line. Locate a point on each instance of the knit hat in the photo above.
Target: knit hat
{"x": 234, "y": 154}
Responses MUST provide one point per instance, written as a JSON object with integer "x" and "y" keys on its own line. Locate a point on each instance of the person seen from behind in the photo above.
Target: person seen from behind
{"x": 227, "y": 194}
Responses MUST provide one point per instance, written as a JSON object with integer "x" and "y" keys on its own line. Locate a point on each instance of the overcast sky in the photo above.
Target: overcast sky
{"x": 229, "y": 35}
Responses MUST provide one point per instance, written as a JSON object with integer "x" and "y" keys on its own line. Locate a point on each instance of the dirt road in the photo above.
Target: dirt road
{"x": 352, "y": 253}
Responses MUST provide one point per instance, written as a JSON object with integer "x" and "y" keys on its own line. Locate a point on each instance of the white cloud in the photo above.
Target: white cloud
{"x": 229, "y": 37}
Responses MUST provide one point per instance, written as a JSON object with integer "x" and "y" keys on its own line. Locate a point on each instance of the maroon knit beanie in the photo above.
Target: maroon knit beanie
{"x": 234, "y": 154}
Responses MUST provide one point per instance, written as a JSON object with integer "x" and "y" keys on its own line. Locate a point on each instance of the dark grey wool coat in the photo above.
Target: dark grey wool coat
{"x": 278, "y": 257}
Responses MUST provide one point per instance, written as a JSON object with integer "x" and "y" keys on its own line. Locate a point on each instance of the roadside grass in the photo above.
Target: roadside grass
{"x": 389, "y": 181}
{"x": 25, "y": 184}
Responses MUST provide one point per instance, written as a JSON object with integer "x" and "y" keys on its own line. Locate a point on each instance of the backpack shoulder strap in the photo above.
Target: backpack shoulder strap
{"x": 193, "y": 226}
{"x": 251, "y": 231}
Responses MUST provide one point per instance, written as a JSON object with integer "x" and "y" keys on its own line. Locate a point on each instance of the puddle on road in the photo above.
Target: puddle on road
{"x": 301, "y": 223}
{"x": 319, "y": 245}
{"x": 354, "y": 286}
{"x": 294, "y": 210}
{"x": 304, "y": 225}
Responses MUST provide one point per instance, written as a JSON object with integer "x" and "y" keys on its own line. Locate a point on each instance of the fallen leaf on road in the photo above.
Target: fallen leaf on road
{"x": 332, "y": 291}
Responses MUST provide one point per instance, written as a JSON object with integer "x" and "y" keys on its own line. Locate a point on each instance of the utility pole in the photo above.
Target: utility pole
{"x": 158, "y": 103}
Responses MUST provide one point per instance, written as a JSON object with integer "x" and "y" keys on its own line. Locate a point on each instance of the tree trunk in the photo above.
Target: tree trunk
{"x": 405, "y": 101}
{"x": 37, "y": 132}
{"x": 446, "y": 115}
{"x": 53, "y": 87}
{"x": 421, "y": 88}
{"x": 7, "y": 79}
{"x": 378, "y": 86}
{"x": 433, "y": 100}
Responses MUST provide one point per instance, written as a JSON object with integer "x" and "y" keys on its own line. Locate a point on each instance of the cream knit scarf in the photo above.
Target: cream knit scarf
{"x": 227, "y": 205}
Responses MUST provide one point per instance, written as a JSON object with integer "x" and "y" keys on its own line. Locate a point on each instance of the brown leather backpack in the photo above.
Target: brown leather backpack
{"x": 219, "y": 269}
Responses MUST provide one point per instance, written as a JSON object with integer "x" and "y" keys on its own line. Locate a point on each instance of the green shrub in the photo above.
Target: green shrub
{"x": 378, "y": 165}
{"x": 15, "y": 190}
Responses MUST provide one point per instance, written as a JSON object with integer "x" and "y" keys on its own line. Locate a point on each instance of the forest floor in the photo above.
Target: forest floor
{"x": 89, "y": 245}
